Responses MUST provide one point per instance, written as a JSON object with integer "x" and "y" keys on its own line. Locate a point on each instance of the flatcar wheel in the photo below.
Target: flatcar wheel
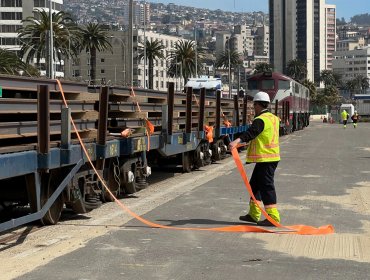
{"x": 186, "y": 162}
{"x": 50, "y": 183}
{"x": 129, "y": 180}
{"x": 113, "y": 179}
{"x": 130, "y": 188}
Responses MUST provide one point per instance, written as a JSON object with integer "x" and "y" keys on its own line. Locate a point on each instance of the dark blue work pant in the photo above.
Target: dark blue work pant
{"x": 262, "y": 182}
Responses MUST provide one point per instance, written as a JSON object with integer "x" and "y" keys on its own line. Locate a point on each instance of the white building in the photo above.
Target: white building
{"x": 12, "y": 12}
{"x": 352, "y": 63}
{"x": 160, "y": 77}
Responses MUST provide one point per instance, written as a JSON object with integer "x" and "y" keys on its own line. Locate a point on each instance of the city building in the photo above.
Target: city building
{"x": 141, "y": 12}
{"x": 350, "y": 64}
{"x": 350, "y": 44}
{"x": 114, "y": 67}
{"x": 330, "y": 35}
{"x": 12, "y": 12}
{"x": 297, "y": 31}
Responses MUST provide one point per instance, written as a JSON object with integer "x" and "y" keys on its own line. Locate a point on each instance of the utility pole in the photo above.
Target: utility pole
{"x": 144, "y": 45}
{"x": 130, "y": 43}
{"x": 51, "y": 43}
{"x": 196, "y": 50}
{"x": 230, "y": 82}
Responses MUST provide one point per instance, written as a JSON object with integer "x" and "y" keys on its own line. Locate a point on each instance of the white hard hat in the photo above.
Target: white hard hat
{"x": 261, "y": 96}
{"x": 355, "y": 112}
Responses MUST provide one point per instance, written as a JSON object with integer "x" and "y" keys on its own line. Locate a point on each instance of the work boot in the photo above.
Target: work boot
{"x": 247, "y": 218}
{"x": 265, "y": 223}
{"x": 274, "y": 214}
{"x": 253, "y": 215}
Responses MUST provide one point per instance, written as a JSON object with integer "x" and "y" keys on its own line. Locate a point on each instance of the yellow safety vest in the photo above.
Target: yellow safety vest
{"x": 344, "y": 115}
{"x": 265, "y": 147}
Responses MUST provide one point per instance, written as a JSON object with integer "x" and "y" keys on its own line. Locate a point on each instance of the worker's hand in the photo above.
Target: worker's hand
{"x": 234, "y": 143}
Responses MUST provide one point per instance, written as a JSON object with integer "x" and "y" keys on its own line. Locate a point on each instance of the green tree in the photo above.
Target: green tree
{"x": 182, "y": 59}
{"x": 297, "y": 70}
{"x": 34, "y": 36}
{"x": 154, "y": 50}
{"x": 262, "y": 67}
{"x": 328, "y": 96}
{"x": 326, "y": 76}
{"x": 94, "y": 38}
{"x": 229, "y": 60}
{"x": 361, "y": 82}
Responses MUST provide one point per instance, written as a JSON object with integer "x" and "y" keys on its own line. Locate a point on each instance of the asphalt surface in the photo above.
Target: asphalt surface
{"x": 323, "y": 178}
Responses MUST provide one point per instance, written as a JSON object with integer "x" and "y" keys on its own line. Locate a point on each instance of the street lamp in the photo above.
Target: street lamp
{"x": 196, "y": 46}
{"x": 51, "y": 43}
{"x": 228, "y": 52}
{"x": 144, "y": 46}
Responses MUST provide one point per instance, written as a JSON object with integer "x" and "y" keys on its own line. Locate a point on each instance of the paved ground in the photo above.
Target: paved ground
{"x": 323, "y": 178}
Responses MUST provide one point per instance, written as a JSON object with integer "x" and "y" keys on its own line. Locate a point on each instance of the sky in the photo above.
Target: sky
{"x": 345, "y": 8}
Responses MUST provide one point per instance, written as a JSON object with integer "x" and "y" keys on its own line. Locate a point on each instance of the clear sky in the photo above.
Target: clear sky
{"x": 345, "y": 8}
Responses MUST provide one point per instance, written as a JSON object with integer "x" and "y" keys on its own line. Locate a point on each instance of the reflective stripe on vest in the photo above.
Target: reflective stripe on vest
{"x": 265, "y": 147}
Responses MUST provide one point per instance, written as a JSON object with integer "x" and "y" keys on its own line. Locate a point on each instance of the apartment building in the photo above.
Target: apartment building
{"x": 141, "y": 12}
{"x": 330, "y": 34}
{"x": 114, "y": 67}
{"x": 12, "y": 12}
{"x": 352, "y": 63}
{"x": 297, "y": 31}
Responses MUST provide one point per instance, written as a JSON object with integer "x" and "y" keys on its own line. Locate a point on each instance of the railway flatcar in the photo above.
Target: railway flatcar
{"x": 292, "y": 97}
{"x": 46, "y": 168}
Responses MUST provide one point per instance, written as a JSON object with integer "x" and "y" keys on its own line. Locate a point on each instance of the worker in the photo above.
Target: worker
{"x": 264, "y": 151}
{"x": 345, "y": 117}
{"x": 355, "y": 118}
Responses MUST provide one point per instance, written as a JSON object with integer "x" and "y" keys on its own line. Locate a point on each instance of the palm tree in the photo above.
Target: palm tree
{"x": 297, "y": 70}
{"x": 34, "y": 36}
{"x": 228, "y": 60}
{"x": 154, "y": 50}
{"x": 182, "y": 58}
{"x": 262, "y": 67}
{"x": 223, "y": 59}
{"x": 10, "y": 63}
{"x": 350, "y": 86}
{"x": 361, "y": 82}
{"x": 327, "y": 77}
{"x": 94, "y": 38}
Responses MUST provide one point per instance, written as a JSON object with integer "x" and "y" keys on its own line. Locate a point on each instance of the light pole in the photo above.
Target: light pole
{"x": 51, "y": 43}
{"x": 144, "y": 46}
{"x": 196, "y": 46}
{"x": 230, "y": 82}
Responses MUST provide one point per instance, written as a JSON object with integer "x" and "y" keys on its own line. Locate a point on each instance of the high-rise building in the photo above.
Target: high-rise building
{"x": 298, "y": 30}
{"x": 141, "y": 12}
{"x": 12, "y": 12}
{"x": 330, "y": 24}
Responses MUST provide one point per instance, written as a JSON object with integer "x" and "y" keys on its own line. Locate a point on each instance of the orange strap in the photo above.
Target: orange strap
{"x": 237, "y": 228}
{"x": 149, "y": 127}
{"x": 299, "y": 229}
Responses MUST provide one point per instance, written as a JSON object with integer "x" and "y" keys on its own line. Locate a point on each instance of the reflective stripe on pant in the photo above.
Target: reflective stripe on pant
{"x": 262, "y": 182}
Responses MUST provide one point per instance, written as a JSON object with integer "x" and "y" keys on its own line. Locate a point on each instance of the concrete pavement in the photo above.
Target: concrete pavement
{"x": 323, "y": 178}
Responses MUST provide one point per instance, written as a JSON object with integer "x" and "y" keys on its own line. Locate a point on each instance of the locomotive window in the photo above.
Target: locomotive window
{"x": 252, "y": 85}
{"x": 296, "y": 88}
{"x": 268, "y": 84}
{"x": 284, "y": 84}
